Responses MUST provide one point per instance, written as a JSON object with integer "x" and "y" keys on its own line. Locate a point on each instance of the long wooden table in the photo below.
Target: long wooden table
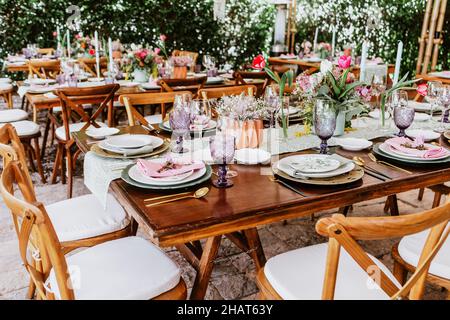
{"x": 253, "y": 201}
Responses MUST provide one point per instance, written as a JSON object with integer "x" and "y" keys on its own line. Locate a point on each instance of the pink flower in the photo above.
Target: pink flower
{"x": 350, "y": 78}
{"x": 259, "y": 62}
{"x": 77, "y": 36}
{"x": 162, "y": 37}
{"x": 345, "y": 62}
{"x": 157, "y": 51}
{"x": 422, "y": 89}
{"x": 365, "y": 93}
{"x": 55, "y": 33}
{"x": 304, "y": 82}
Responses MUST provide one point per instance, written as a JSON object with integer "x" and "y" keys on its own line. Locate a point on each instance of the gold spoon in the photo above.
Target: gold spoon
{"x": 360, "y": 162}
{"x": 387, "y": 164}
{"x": 197, "y": 195}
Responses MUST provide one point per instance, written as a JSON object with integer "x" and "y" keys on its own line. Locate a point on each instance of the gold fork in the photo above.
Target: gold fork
{"x": 387, "y": 164}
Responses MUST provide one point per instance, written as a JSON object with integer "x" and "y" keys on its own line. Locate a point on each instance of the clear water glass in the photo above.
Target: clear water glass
{"x": 324, "y": 121}
{"x": 443, "y": 99}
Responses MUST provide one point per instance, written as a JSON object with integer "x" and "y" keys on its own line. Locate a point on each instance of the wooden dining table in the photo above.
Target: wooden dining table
{"x": 254, "y": 200}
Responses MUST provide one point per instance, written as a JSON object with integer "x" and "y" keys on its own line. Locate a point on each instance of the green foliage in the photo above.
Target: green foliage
{"x": 385, "y": 22}
{"x": 189, "y": 24}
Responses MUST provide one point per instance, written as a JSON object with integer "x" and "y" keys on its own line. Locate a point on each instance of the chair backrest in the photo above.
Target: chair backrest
{"x": 139, "y": 99}
{"x": 46, "y": 51}
{"x": 89, "y": 65}
{"x": 219, "y": 92}
{"x": 13, "y": 148}
{"x": 183, "y": 53}
{"x": 44, "y": 68}
{"x": 345, "y": 232}
{"x": 193, "y": 84}
{"x": 240, "y": 77}
{"x": 72, "y": 100}
{"x": 36, "y": 234}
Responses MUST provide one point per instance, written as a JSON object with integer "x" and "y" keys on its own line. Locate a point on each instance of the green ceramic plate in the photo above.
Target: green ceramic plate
{"x": 413, "y": 162}
{"x": 126, "y": 177}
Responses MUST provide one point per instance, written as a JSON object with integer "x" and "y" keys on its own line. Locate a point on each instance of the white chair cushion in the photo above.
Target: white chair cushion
{"x": 154, "y": 119}
{"x": 5, "y": 80}
{"x": 73, "y": 127}
{"x": 84, "y": 217}
{"x": 127, "y": 269}
{"x": 24, "y": 128}
{"x": 299, "y": 274}
{"x": 410, "y": 248}
{"x": 12, "y": 115}
{"x": 5, "y": 86}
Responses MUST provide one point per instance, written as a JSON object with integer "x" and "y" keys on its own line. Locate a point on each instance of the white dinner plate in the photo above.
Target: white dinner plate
{"x": 95, "y": 79}
{"x": 214, "y": 80}
{"x": 150, "y": 86}
{"x": 428, "y": 135}
{"x": 312, "y": 163}
{"x": 101, "y": 133}
{"x": 387, "y": 149}
{"x": 41, "y": 89}
{"x": 251, "y": 156}
{"x": 5, "y": 80}
{"x": 376, "y": 114}
{"x": 211, "y": 125}
{"x": 126, "y": 83}
{"x": 353, "y": 144}
{"x": 284, "y": 165}
{"x": 313, "y": 59}
{"x": 138, "y": 176}
{"x": 39, "y": 81}
{"x": 133, "y": 141}
{"x": 419, "y": 106}
{"x": 441, "y": 74}
{"x": 421, "y": 117}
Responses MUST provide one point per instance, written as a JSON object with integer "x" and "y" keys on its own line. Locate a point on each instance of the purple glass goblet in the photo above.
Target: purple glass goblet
{"x": 403, "y": 118}
{"x": 324, "y": 121}
{"x": 222, "y": 152}
{"x": 180, "y": 121}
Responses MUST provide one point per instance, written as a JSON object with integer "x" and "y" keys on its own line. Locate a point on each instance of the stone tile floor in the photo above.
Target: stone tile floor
{"x": 234, "y": 272}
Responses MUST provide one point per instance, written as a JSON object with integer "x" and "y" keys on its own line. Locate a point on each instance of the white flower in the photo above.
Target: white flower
{"x": 326, "y": 66}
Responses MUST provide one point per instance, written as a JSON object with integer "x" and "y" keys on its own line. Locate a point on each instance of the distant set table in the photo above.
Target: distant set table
{"x": 229, "y": 213}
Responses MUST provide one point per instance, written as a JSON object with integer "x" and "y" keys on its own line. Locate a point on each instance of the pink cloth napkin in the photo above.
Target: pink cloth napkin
{"x": 153, "y": 169}
{"x": 399, "y": 142}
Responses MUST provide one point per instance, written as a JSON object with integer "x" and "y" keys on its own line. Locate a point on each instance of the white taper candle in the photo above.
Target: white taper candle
{"x": 316, "y": 35}
{"x": 362, "y": 70}
{"x": 68, "y": 43}
{"x": 398, "y": 62}
{"x": 97, "y": 57}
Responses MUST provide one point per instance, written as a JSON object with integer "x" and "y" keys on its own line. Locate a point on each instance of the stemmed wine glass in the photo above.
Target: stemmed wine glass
{"x": 222, "y": 152}
{"x": 324, "y": 121}
{"x": 180, "y": 122}
{"x": 273, "y": 104}
{"x": 298, "y": 47}
{"x": 432, "y": 95}
{"x": 403, "y": 114}
{"x": 200, "y": 113}
{"x": 378, "y": 87}
{"x": 443, "y": 99}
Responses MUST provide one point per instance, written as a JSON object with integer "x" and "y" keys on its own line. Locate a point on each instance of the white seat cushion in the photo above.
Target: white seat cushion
{"x": 156, "y": 118}
{"x": 73, "y": 127}
{"x": 84, "y": 217}
{"x": 12, "y": 115}
{"x": 24, "y": 127}
{"x": 299, "y": 274}
{"x": 410, "y": 248}
{"x": 5, "y": 86}
{"x": 5, "y": 80}
{"x": 127, "y": 269}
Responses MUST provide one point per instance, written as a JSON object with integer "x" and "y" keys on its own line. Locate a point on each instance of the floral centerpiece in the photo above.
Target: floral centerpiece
{"x": 83, "y": 46}
{"x": 243, "y": 115}
{"x": 324, "y": 50}
{"x": 336, "y": 83}
{"x": 143, "y": 63}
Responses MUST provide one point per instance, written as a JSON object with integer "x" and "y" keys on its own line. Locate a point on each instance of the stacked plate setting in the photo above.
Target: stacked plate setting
{"x": 134, "y": 176}
{"x": 384, "y": 150}
{"x": 211, "y": 125}
{"x": 318, "y": 169}
{"x": 131, "y": 144}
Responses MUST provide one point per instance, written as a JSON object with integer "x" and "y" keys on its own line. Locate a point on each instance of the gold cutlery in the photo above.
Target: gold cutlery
{"x": 287, "y": 185}
{"x": 167, "y": 196}
{"x": 370, "y": 171}
{"x": 196, "y": 195}
{"x": 387, "y": 164}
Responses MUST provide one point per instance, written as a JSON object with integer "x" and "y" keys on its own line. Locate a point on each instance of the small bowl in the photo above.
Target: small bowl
{"x": 354, "y": 144}
{"x": 249, "y": 156}
{"x": 101, "y": 133}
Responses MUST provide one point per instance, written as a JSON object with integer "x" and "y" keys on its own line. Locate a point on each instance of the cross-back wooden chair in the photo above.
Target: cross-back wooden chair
{"x": 346, "y": 272}
{"x": 6, "y": 92}
{"x": 44, "y": 69}
{"x": 89, "y": 65}
{"x": 75, "y": 118}
{"x": 46, "y": 51}
{"x": 141, "y": 99}
{"x": 219, "y": 92}
{"x": 50, "y": 270}
{"x": 183, "y": 53}
{"x": 193, "y": 84}
{"x": 241, "y": 76}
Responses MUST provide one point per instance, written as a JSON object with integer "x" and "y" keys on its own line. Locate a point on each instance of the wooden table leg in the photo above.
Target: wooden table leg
{"x": 256, "y": 249}
{"x": 206, "y": 265}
